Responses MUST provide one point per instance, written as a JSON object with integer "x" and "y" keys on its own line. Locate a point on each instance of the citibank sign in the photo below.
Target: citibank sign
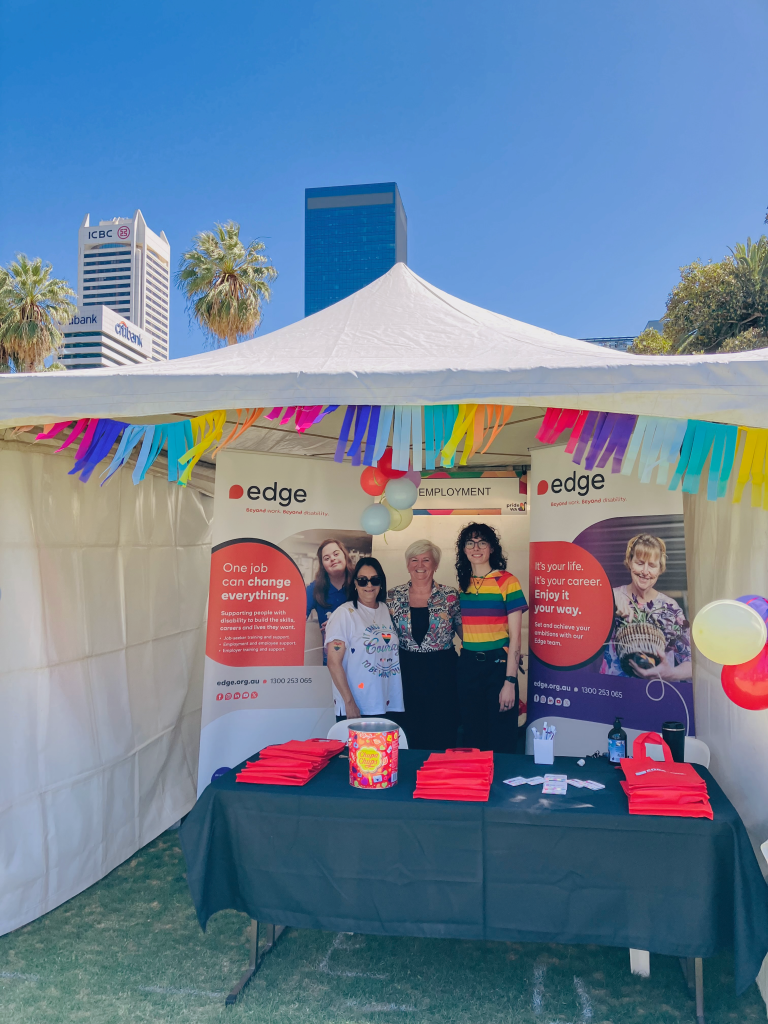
{"x": 122, "y": 330}
{"x": 123, "y": 232}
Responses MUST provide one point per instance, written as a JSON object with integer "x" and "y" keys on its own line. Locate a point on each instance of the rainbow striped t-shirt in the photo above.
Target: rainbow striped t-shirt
{"x": 485, "y": 607}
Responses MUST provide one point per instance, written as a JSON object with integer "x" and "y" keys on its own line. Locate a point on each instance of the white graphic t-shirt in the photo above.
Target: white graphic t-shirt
{"x": 371, "y": 658}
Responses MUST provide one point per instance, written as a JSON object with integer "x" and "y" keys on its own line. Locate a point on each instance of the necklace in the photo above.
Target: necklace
{"x": 480, "y": 583}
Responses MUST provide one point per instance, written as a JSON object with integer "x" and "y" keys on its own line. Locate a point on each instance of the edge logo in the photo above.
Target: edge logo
{"x": 123, "y": 231}
{"x": 285, "y": 496}
{"x": 82, "y": 320}
{"x": 573, "y": 485}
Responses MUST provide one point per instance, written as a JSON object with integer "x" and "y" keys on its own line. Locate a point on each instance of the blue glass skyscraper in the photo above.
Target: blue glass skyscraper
{"x": 353, "y": 234}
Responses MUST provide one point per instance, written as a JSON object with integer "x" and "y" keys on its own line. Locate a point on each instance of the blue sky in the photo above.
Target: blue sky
{"x": 558, "y": 159}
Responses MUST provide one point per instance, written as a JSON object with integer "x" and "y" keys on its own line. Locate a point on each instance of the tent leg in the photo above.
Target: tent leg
{"x": 699, "y": 982}
{"x": 254, "y": 960}
{"x": 693, "y": 972}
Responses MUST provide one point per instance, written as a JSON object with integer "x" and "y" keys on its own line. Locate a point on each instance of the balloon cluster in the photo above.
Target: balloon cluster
{"x": 734, "y": 634}
{"x": 400, "y": 489}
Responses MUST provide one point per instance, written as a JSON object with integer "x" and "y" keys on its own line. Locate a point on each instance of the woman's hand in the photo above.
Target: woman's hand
{"x": 351, "y": 710}
{"x": 507, "y": 696}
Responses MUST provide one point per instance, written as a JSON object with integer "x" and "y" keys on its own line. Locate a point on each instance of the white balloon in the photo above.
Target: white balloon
{"x": 375, "y": 519}
{"x": 401, "y": 493}
{"x": 729, "y": 632}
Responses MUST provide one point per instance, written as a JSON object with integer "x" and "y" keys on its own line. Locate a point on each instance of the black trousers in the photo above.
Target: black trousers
{"x": 480, "y": 679}
{"x": 431, "y": 717}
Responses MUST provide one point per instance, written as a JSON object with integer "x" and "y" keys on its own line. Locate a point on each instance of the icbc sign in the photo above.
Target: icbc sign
{"x": 123, "y": 231}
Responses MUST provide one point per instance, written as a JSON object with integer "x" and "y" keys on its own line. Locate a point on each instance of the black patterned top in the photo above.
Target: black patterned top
{"x": 444, "y": 617}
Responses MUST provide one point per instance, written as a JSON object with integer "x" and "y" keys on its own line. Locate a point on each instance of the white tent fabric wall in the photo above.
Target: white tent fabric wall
{"x": 727, "y": 554}
{"x": 102, "y": 617}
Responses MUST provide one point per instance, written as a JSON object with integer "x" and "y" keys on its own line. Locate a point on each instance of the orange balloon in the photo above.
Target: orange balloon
{"x": 373, "y": 481}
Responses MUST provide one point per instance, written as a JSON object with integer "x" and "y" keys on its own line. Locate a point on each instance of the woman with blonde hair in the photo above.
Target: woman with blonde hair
{"x": 426, "y": 617}
{"x": 651, "y": 638}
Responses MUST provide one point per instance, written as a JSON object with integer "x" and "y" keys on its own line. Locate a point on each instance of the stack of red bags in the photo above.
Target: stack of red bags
{"x": 290, "y": 764}
{"x": 458, "y": 774}
{"x": 663, "y": 787}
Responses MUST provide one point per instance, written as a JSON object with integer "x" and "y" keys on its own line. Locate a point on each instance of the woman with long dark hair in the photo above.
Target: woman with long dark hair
{"x": 362, "y": 648}
{"x": 328, "y": 590}
{"x": 492, "y": 606}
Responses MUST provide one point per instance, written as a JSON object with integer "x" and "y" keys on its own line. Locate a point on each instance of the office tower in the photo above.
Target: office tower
{"x": 124, "y": 265}
{"x": 97, "y": 336}
{"x": 352, "y": 235}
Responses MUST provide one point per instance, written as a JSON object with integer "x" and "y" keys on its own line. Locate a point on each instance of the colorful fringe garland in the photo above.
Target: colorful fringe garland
{"x": 185, "y": 442}
{"x": 429, "y": 437}
{"x": 659, "y": 443}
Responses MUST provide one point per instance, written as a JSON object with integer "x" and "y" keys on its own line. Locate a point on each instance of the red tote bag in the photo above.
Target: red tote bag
{"x": 663, "y": 787}
{"x": 643, "y": 773}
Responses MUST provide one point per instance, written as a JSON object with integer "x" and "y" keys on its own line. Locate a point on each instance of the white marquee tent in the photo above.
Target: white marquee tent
{"x": 402, "y": 341}
{"x": 103, "y": 591}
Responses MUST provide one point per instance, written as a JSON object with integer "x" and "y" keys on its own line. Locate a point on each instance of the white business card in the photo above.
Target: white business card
{"x": 555, "y": 785}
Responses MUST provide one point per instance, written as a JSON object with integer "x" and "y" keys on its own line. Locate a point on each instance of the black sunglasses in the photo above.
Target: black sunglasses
{"x": 363, "y": 581}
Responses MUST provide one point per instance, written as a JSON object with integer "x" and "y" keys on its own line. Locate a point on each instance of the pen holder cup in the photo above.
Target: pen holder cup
{"x": 544, "y": 751}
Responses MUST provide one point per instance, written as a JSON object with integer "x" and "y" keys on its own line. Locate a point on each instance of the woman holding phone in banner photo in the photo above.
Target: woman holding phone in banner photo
{"x": 328, "y": 590}
{"x": 362, "y": 648}
{"x": 651, "y": 638}
{"x": 426, "y": 616}
{"x": 492, "y": 606}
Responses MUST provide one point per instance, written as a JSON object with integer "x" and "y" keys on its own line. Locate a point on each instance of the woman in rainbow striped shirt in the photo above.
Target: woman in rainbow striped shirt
{"x": 492, "y": 606}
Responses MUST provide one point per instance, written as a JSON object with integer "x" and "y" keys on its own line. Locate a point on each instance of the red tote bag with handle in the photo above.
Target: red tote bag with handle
{"x": 663, "y": 787}
{"x": 643, "y": 773}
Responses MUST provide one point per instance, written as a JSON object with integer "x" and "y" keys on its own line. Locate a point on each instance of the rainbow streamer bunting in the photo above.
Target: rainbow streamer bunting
{"x": 673, "y": 453}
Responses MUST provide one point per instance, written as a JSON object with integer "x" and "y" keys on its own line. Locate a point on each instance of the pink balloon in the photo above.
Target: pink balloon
{"x": 414, "y": 476}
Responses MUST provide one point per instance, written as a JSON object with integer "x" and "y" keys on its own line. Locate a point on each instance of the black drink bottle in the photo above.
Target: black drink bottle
{"x": 617, "y": 743}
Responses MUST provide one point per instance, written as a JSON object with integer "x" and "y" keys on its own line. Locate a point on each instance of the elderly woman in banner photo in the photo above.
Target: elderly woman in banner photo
{"x": 427, "y": 616}
{"x": 651, "y": 638}
{"x": 362, "y": 649}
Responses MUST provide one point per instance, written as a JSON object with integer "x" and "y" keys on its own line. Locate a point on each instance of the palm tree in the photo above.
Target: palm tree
{"x": 225, "y": 283}
{"x": 33, "y": 306}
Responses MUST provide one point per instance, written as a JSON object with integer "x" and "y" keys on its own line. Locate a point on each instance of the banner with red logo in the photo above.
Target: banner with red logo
{"x": 608, "y": 625}
{"x": 265, "y": 681}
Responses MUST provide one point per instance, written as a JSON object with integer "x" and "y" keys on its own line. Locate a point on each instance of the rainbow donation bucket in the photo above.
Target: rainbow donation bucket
{"x": 373, "y": 749}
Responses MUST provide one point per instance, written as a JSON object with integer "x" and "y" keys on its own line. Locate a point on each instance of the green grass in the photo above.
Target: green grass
{"x": 129, "y": 949}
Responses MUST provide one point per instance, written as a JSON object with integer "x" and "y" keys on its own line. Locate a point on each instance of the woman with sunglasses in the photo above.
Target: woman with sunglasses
{"x": 492, "y": 606}
{"x": 362, "y": 648}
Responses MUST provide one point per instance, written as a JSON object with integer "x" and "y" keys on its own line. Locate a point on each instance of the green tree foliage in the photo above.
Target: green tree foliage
{"x": 650, "y": 343}
{"x": 225, "y": 283}
{"x": 716, "y": 307}
{"x": 33, "y": 305}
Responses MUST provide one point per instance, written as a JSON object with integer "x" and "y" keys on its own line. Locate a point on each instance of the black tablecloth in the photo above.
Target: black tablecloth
{"x": 522, "y": 867}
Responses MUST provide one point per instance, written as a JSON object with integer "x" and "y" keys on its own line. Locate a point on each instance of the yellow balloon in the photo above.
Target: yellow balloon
{"x": 400, "y": 518}
{"x": 729, "y": 632}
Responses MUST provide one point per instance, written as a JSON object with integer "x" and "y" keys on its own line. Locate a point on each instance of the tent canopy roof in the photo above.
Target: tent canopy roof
{"x": 402, "y": 341}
